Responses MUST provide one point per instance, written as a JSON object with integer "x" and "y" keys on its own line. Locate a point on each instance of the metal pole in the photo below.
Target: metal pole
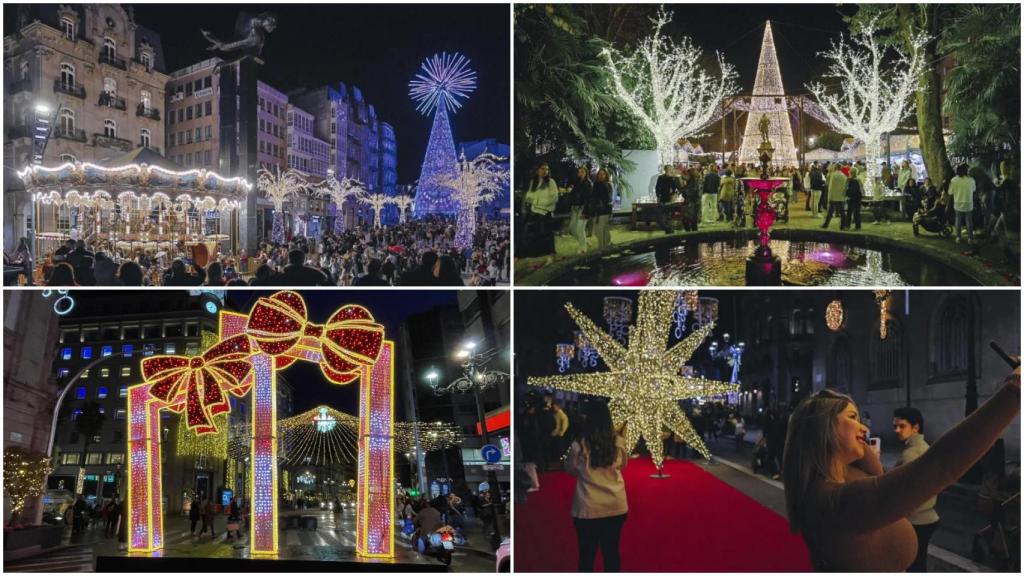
{"x": 63, "y": 393}
{"x": 492, "y": 476}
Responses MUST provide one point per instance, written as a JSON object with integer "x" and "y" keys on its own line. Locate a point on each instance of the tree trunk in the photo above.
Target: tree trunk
{"x": 929, "y": 93}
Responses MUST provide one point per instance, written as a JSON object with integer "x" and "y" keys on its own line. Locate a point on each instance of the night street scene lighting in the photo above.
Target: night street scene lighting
{"x": 289, "y": 427}
{"x": 277, "y": 145}
{"x": 677, "y": 423}
{"x": 841, "y": 145}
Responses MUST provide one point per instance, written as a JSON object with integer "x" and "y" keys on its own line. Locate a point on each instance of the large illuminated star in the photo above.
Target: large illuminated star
{"x": 644, "y": 382}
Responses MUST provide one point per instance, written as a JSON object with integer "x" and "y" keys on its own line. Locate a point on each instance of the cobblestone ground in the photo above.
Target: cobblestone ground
{"x": 332, "y": 541}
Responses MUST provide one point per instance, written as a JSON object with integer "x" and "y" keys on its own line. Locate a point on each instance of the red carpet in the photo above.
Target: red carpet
{"x": 691, "y": 522}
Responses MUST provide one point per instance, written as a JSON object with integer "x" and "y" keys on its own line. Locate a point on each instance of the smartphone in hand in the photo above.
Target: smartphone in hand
{"x": 876, "y": 445}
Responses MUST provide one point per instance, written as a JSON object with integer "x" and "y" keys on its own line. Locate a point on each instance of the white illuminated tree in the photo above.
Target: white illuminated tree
{"x": 475, "y": 181}
{"x": 279, "y": 187}
{"x": 873, "y": 91}
{"x": 404, "y": 203}
{"x": 377, "y": 201}
{"x": 339, "y": 191}
{"x": 663, "y": 83}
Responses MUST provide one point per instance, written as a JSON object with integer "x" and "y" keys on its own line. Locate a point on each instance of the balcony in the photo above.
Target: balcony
{"x": 23, "y": 85}
{"x": 151, "y": 113}
{"x": 70, "y": 134}
{"x": 76, "y": 90}
{"x": 113, "y": 60}
{"x": 112, "y": 142}
{"x": 112, "y": 101}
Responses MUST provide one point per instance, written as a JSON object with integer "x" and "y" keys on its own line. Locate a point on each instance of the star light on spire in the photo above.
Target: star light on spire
{"x": 445, "y": 80}
{"x": 644, "y": 381}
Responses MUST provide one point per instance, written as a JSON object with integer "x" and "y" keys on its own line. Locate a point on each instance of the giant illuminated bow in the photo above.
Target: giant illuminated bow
{"x": 197, "y": 384}
{"x": 348, "y": 341}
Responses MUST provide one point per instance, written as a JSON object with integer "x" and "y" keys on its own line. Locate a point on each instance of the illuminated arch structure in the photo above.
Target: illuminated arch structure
{"x": 245, "y": 360}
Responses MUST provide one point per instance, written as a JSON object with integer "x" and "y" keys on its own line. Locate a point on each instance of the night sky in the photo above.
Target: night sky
{"x": 378, "y": 48}
{"x": 800, "y": 32}
{"x": 390, "y": 308}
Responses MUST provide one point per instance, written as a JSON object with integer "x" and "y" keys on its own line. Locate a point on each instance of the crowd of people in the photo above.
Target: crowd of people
{"x": 699, "y": 195}
{"x": 417, "y": 253}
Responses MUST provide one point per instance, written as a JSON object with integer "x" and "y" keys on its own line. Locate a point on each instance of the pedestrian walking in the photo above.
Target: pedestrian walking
{"x": 962, "y": 188}
{"x": 194, "y": 513}
{"x": 836, "y": 196}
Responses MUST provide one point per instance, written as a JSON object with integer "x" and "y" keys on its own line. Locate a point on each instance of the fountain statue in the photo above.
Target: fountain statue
{"x": 764, "y": 268}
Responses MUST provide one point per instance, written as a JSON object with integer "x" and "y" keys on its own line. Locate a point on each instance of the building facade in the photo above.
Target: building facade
{"x": 88, "y": 76}
{"x": 192, "y": 116}
{"x": 30, "y": 388}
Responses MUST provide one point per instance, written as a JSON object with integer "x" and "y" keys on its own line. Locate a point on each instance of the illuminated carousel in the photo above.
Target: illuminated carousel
{"x": 136, "y": 204}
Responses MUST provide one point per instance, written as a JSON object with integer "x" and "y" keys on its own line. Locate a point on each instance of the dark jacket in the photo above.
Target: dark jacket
{"x": 817, "y": 180}
{"x": 666, "y": 187}
{"x": 711, "y": 183}
{"x": 600, "y": 200}
{"x": 196, "y": 279}
{"x": 853, "y": 190}
{"x": 302, "y": 275}
{"x": 580, "y": 193}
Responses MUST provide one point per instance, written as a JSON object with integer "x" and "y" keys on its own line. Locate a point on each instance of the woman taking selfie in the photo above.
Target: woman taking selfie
{"x": 851, "y": 514}
{"x": 599, "y": 506}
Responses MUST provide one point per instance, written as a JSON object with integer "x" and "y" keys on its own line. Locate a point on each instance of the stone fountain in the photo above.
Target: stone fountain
{"x": 764, "y": 268}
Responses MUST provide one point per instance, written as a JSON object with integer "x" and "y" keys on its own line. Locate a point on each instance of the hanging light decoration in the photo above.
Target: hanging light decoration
{"x": 884, "y": 300}
{"x": 586, "y": 354}
{"x": 618, "y": 313}
{"x": 563, "y": 356}
{"x": 686, "y": 301}
{"x": 835, "y": 315}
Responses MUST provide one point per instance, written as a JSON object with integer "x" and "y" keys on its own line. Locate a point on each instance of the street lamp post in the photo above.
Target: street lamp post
{"x": 475, "y": 378}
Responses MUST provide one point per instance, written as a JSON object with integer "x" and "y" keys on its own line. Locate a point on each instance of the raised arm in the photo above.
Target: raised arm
{"x": 870, "y": 503}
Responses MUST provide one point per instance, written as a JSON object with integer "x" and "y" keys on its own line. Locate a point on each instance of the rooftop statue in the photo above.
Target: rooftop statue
{"x": 250, "y": 34}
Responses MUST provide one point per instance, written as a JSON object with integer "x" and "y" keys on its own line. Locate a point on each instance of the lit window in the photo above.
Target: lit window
{"x": 126, "y": 350}
{"x": 115, "y": 458}
{"x": 104, "y": 372}
{"x": 80, "y": 393}
{"x": 76, "y": 413}
{"x": 106, "y": 351}
{"x": 68, "y": 26}
{"x": 65, "y": 354}
{"x": 85, "y": 374}
{"x": 101, "y": 392}
{"x": 126, "y": 370}
{"x": 87, "y": 353}
{"x": 123, "y": 392}
{"x": 94, "y": 457}
{"x": 110, "y": 128}
{"x": 170, "y": 348}
{"x": 145, "y": 137}
{"x": 63, "y": 373}
{"x": 120, "y": 414}
{"x": 70, "y": 458}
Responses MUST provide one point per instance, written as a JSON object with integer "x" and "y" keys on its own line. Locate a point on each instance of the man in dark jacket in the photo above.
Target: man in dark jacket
{"x": 710, "y": 211}
{"x": 372, "y": 276}
{"x": 665, "y": 189}
{"x": 296, "y": 273}
{"x": 424, "y": 274}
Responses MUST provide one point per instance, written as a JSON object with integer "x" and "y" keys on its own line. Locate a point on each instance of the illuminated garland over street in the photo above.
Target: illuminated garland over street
{"x": 643, "y": 382}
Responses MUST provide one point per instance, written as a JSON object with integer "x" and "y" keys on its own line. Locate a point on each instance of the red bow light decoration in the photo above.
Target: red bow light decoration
{"x": 197, "y": 384}
{"x": 348, "y": 341}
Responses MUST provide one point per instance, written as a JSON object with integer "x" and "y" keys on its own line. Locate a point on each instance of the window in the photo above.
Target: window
{"x": 209, "y": 132}
{"x": 67, "y": 75}
{"x": 207, "y": 159}
{"x": 68, "y": 158}
{"x": 110, "y": 128}
{"x": 127, "y": 349}
{"x": 110, "y": 86}
{"x": 122, "y": 392}
{"x": 263, "y": 104}
{"x": 109, "y": 48}
{"x": 104, "y": 373}
{"x": 146, "y": 99}
{"x": 198, "y": 84}
{"x": 75, "y": 414}
{"x": 67, "y": 25}
{"x": 87, "y": 353}
{"x": 106, "y": 351}
{"x": 199, "y": 134}
{"x": 191, "y": 349}
{"x": 188, "y": 113}
{"x": 188, "y": 89}
{"x": 65, "y": 354}
{"x": 85, "y": 375}
{"x": 144, "y": 137}
{"x": 181, "y": 114}
{"x": 126, "y": 370}
{"x": 209, "y": 107}
{"x": 101, "y": 392}
{"x": 171, "y": 117}
{"x": 199, "y": 110}
{"x": 120, "y": 414}
{"x": 24, "y": 70}
{"x": 169, "y": 348}
{"x": 94, "y": 457}
{"x": 69, "y": 458}
{"x": 63, "y": 373}
{"x": 80, "y": 393}
{"x": 953, "y": 342}
{"x": 276, "y": 112}
{"x": 116, "y": 457}
{"x": 188, "y": 158}
{"x": 171, "y": 139}
{"x": 263, "y": 126}
{"x": 262, "y": 146}
{"x": 188, "y": 136}
{"x": 147, "y": 61}
{"x": 208, "y": 82}
{"x": 888, "y": 358}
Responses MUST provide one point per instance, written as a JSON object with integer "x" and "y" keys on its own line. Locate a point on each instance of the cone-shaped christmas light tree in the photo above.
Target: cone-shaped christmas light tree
{"x": 444, "y": 82}
{"x": 768, "y": 100}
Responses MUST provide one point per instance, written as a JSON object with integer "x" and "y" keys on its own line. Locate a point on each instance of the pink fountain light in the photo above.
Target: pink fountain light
{"x": 764, "y": 214}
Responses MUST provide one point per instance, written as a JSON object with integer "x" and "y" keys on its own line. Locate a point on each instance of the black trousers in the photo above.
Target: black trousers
{"x": 835, "y": 208}
{"x": 853, "y": 213}
{"x": 924, "y": 534}
{"x": 603, "y": 533}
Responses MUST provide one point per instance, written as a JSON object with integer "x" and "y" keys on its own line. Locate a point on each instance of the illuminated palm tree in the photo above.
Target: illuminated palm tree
{"x": 279, "y": 187}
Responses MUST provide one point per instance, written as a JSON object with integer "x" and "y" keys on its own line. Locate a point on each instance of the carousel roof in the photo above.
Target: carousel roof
{"x": 142, "y": 173}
